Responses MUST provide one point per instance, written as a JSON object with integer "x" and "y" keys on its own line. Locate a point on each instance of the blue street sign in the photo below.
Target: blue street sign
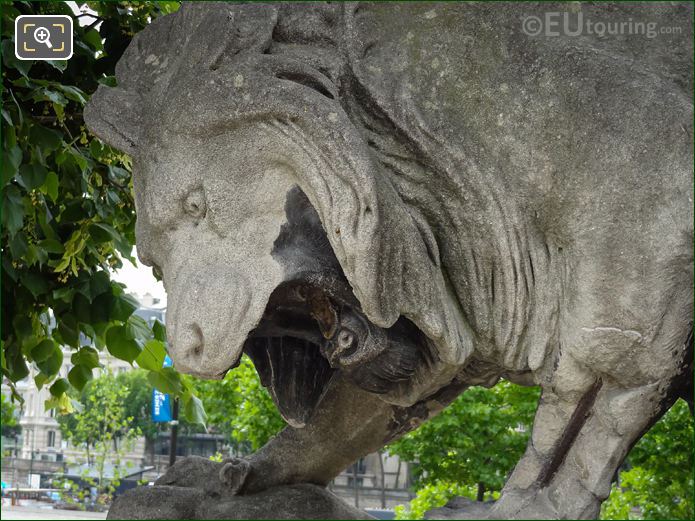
{"x": 161, "y": 402}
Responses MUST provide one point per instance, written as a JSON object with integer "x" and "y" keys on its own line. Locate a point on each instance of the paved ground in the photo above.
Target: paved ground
{"x": 9, "y": 512}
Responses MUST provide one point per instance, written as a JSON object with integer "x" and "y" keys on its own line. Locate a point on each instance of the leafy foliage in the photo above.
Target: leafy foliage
{"x": 237, "y": 407}
{"x": 474, "y": 442}
{"x": 10, "y": 425}
{"x": 138, "y": 404}
{"x": 660, "y": 482}
{"x": 67, "y": 211}
{"x": 138, "y": 401}
{"x": 105, "y": 430}
{"x": 432, "y": 495}
{"x": 103, "y": 417}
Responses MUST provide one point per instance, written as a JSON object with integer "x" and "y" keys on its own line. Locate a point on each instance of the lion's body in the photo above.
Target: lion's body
{"x": 492, "y": 205}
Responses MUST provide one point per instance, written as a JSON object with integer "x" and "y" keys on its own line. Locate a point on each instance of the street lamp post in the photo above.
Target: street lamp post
{"x": 31, "y": 460}
{"x": 174, "y": 432}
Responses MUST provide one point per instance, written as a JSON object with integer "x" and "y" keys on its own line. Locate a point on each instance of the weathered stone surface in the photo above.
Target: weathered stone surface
{"x": 157, "y": 503}
{"x": 191, "y": 489}
{"x": 428, "y": 197}
{"x": 285, "y": 502}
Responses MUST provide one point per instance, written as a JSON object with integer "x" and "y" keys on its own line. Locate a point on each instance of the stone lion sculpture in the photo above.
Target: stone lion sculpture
{"x": 383, "y": 205}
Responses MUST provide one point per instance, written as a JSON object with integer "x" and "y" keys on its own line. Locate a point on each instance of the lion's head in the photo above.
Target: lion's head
{"x": 264, "y": 208}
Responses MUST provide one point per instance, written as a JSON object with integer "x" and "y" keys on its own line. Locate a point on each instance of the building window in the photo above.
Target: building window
{"x": 356, "y": 473}
{"x": 51, "y": 438}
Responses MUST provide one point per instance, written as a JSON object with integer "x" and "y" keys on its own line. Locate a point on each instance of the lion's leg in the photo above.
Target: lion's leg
{"x": 619, "y": 418}
{"x": 560, "y": 415}
{"x": 575, "y": 476}
{"x": 570, "y": 426}
{"x": 567, "y": 472}
{"x": 348, "y": 424}
{"x": 554, "y": 422}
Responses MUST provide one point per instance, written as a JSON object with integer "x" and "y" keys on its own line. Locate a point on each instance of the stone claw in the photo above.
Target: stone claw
{"x": 234, "y": 472}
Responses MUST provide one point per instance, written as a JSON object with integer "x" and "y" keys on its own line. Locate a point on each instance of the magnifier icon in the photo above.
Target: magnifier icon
{"x": 42, "y": 35}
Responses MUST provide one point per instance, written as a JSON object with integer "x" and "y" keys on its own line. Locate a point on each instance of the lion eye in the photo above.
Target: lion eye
{"x": 194, "y": 204}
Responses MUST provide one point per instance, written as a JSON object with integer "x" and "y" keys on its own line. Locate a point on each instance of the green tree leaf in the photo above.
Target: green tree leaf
{"x": 10, "y": 60}
{"x": 46, "y": 138}
{"x": 43, "y": 350}
{"x": 50, "y": 186}
{"x": 193, "y": 409}
{"x": 121, "y": 345}
{"x": 32, "y": 175}
{"x": 12, "y": 210}
{"x": 159, "y": 331}
{"x": 166, "y": 380}
{"x": 79, "y": 375}
{"x": 86, "y": 356}
{"x": 61, "y": 65}
{"x": 93, "y": 38}
{"x": 52, "y": 364}
{"x": 123, "y": 307}
{"x": 52, "y": 246}
{"x": 137, "y": 329}
{"x": 60, "y": 386}
{"x": 35, "y": 283}
{"x": 152, "y": 356}
{"x": 68, "y": 330}
{"x": 11, "y": 159}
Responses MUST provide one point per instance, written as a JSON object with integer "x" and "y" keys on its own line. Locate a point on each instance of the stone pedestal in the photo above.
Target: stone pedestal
{"x": 191, "y": 489}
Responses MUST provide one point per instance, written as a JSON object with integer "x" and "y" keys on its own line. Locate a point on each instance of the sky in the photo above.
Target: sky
{"x": 140, "y": 280}
{"x": 84, "y": 20}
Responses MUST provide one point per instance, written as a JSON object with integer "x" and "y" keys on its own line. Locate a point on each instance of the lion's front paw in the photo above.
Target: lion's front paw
{"x": 234, "y": 472}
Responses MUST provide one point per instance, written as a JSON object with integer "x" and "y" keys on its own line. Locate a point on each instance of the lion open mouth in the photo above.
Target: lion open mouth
{"x": 306, "y": 336}
{"x": 286, "y": 350}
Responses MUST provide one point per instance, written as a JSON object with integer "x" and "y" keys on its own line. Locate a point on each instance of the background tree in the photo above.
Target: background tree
{"x": 102, "y": 427}
{"x": 657, "y": 480}
{"x": 475, "y": 442}
{"x": 102, "y": 420}
{"x": 68, "y": 214}
{"x": 8, "y": 420}
{"x": 138, "y": 402}
{"x": 237, "y": 407}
